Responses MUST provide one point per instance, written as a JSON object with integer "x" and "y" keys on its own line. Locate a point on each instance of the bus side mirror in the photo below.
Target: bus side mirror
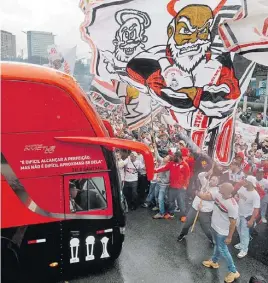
{"x": 117, "y": 143}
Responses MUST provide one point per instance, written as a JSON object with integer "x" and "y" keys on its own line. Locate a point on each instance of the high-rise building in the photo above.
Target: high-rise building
{"x": 8, "y": 44}
{"x": 37, "y": 43}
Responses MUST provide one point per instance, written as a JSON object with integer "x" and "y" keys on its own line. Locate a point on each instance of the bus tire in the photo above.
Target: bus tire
{"x": 10, "y": 263}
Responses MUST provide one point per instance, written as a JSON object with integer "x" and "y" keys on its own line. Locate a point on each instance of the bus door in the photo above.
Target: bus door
{"x": 87, "y": 229}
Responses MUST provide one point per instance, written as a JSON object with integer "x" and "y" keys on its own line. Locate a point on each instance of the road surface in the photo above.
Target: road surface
{"x": 151, "y": 254}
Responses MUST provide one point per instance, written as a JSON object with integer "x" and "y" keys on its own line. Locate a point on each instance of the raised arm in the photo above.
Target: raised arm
{"x": 159, "y": 158}
{"x": 186, "y": 174}
{"x": 202, "y": 178}
{"x": 205, "y": 196}
{"x": 163, "y": 169}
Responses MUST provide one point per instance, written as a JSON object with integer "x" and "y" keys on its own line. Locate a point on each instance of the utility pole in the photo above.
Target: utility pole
{"x": 245, "y": 102}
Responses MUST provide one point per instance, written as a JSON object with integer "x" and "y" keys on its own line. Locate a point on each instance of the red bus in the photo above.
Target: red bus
{"x": 61, "y": 201}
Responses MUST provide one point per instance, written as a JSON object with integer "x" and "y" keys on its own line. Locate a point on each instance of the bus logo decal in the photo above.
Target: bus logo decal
{"x": 74, "y": 244}
{"x": 90, "y": 241}
{"x": 104, "y": 242}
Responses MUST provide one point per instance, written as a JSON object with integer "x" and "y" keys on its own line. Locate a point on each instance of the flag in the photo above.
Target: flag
{"x": 64, "y": 62}
{"x": 100, "y": 101}
{"x": 248, "y": 133}
{"x": 170, "y": 51}
{"x": 138, "y": 110}
{"x": 247, "y": 33}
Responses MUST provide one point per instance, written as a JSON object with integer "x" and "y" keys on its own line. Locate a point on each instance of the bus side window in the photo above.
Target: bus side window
{"x": 87, "y": 194}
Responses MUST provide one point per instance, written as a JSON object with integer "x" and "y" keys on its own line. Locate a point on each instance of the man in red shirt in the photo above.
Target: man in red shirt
{"x": 191, "y": 162}
{"x": 188, "y": 159}
{"x": 179, "y": 180}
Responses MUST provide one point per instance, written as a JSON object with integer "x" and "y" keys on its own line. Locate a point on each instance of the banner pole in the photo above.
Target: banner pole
{"x": 202, "y": 189}
{"x": 152, "y": 125}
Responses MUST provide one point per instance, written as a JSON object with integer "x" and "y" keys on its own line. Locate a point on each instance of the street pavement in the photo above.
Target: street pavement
{"x": 151, "y": 254}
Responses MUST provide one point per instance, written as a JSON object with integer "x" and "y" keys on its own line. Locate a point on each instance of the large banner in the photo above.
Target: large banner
{"x": 247, "y": 133}
{"x": 138, "y": 108}
{"x": 247, "y": 32}
{"x": 171, "y": 52}
{"x": 64, "y": 62}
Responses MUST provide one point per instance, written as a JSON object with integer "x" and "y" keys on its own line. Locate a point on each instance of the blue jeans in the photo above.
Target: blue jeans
{"x": 156, "y": 193}
{"x": 179, "y": 196}
{"x": 221, "y": 249}
{"x": 243, "y": 232}
{"x": 160, "y": 193}
{"x": 151, "y": 195}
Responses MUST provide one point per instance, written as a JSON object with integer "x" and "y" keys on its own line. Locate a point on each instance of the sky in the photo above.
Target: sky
{"x": 61, "y": 17}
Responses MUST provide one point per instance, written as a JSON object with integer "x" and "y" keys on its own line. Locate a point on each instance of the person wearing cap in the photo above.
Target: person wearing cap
{"x": 223, "y": 223}
{"x": 249, "y": 206}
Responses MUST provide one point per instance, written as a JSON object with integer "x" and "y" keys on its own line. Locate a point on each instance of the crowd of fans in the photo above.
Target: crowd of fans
{"x": 222, "y": 199}
{"x": 247, "y": 117}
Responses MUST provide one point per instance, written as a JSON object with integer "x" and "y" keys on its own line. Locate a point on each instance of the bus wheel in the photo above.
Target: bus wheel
{"x": 10, "y": 266}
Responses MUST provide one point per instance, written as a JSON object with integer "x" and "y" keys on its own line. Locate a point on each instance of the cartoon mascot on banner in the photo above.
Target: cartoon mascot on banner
{"x": 200, "y": 89}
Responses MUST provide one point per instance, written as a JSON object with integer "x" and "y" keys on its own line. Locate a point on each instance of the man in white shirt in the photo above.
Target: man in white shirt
{"x": 143, "y": 183}
{"x": 205, "y": 207}
{"x": 249, "y": 206}
{"x": 236, "y": 174}
{"x": 121, "y": 166}
{"x": 223, "y": 223}
{"x": 132, "y": 167}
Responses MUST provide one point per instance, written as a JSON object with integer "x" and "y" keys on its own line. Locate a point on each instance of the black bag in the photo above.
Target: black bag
{"x": 249, "y": 217}
{"x": 139, "y": 174}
